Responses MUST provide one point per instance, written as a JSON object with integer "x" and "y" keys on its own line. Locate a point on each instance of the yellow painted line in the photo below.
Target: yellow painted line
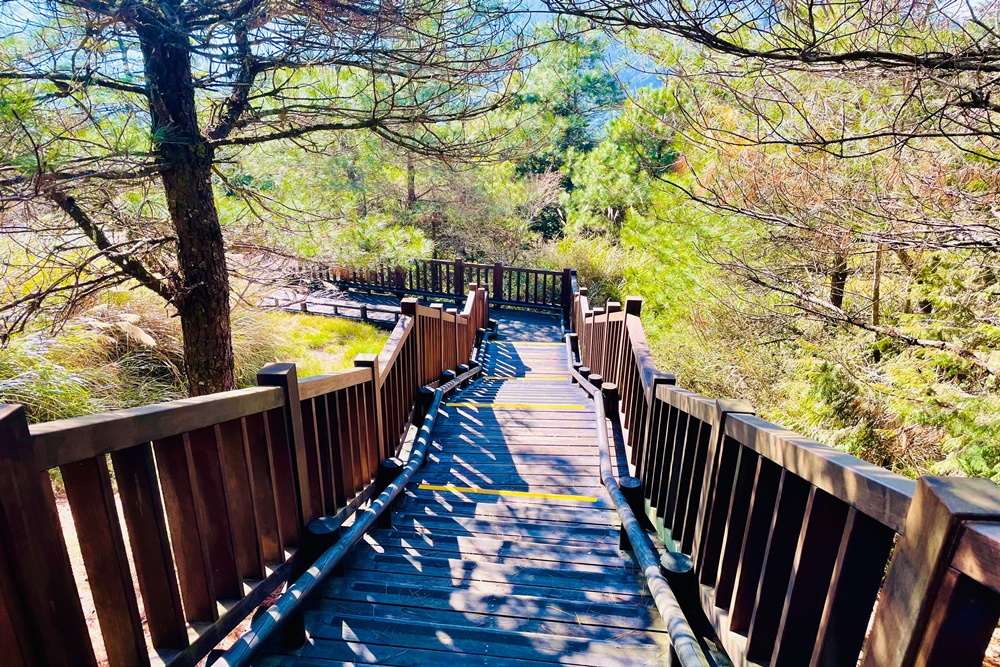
{"x": 501, "y": 492}
{"x": 524, "y": 406}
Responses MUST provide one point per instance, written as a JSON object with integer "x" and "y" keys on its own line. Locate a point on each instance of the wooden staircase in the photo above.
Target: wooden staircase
{"x": 505, "y": 550}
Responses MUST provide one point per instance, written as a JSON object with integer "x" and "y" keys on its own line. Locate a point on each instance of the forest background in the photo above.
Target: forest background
{"x": 846, "y": 288}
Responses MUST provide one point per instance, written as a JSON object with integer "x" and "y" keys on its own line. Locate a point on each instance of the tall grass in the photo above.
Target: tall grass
{"x": 127, "y": 351}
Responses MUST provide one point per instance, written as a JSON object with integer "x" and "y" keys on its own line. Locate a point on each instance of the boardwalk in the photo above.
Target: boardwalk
{"x": 496, "y": 542}
{"x": 526, "y": 570}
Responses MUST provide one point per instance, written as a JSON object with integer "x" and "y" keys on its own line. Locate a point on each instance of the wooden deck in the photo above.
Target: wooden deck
{"x": 526, "y": 571}
{"x": 503, "y": 544}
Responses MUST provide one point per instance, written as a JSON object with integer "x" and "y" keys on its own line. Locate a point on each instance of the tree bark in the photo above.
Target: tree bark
{"x": 203, "y": 299}
{"x": 838, "y": 281}
{"x": 411, "y": 184}
{"x": 877, "y": 287}
{"x": 877, "y": 297}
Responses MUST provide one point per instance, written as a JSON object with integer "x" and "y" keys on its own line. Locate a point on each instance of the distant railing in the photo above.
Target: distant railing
{"x": 215, "y": 494}
{"x": 791, "y": 539}
{"x": 441, "y": 279}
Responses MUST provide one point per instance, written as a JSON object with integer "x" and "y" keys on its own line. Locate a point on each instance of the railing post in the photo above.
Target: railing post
{"x": 371, "y": 361}
{"x": 633, "y": 306}
{"x": 566, "y": 297}
{"x": 498, "y": 282}
{"x": 37, "y": 590}
{"x": 285, "y": 377}
{"x": 917, "y": 621}
{"x": 399, "y": 280}
{"x": 408, "y": 308}
{"x": 606, "y": 354}
{"x": 457, "y": 346}
{"x": 484, "y": 299}
{"x": 459, "y": 277}
{"x": 439, "y": 318}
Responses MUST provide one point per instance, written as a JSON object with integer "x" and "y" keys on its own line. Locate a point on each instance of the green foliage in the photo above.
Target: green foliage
{"x": 565, "y": 94}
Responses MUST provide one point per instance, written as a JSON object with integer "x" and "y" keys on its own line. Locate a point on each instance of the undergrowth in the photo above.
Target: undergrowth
{"x": 127, "y": 352}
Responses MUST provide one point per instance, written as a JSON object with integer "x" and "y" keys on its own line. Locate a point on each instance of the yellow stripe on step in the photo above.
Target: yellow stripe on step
{"x": 515, "y": 406}
{"x": 501, "y": 492}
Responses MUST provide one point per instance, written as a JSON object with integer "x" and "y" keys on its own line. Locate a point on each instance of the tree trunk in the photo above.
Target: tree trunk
{"x": 411, "y": 184}
{"x": 838, "y": 281}
{"x": 877, "y": 297}
{"x": 877, "y": 287}
{"x": 203, "y": 302}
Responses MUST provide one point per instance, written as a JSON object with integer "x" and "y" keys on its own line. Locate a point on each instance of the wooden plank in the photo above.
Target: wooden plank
{"x": 422, "y": 614}
{"x": 139, "y": 490}
{"x": 687, "y": 519}
{"x": 512, "y": 509}
{"x": 776, "y": 574}
{"x": 476, "y": 641}
{"x": 978, "y": 553}
{"x": 319, "y": 424}
{"x": 283, "y": 477}
{"x": 961, "y": 627}
{"x": 538, "y": 531}
{"x": 92, "y": 501}
{"x": 213, "y": 513}
{"x": 732, "y": 524}
{"x": 351, "y": 654}
{"x": 188, "y": 539}
{"x": 15, "y": 636}
{"x": 63, "y": 441}
{"x": 284, "y": 377}
{"x": 265, "y": 502}
{"x": 421, "y": 495}
{"x": 48, "y": 600}
{"x": 857, "y": 576}
{"x": 812, "y": 574}
{"x": 317, "y": 385}
{"x": 343, "y": 462}
{"x": 404, "y": 568}
{"x": 758, "y": 528}
{"x": 496, "y": 550}
{"x": 239, "y": 499}
{"x": 545, "y": 591}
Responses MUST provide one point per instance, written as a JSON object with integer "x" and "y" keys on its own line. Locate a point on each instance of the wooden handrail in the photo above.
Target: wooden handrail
{"x": 791, "y": 539}
{"x": 65, "y": 441}
{"x": 214, "y": 495}
{"x": 447, "y": 280}
{"x": 317, "y": 385}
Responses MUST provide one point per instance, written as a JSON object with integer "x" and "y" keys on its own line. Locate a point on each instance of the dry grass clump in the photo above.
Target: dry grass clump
{"x": 127, "y": 351}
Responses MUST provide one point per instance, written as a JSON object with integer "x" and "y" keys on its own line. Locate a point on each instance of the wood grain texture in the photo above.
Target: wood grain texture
{"x": 64, "y": 441}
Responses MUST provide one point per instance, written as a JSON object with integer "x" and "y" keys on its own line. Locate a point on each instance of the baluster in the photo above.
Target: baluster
{"x": 139, "y": 491}
{"x": 92, "y": 502}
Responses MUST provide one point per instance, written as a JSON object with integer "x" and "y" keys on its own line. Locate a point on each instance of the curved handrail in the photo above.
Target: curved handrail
{"x": 685, "y": 642}
{"x": 278, "y": 613}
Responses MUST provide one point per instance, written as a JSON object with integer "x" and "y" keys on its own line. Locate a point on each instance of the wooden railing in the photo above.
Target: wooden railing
{"x": 795, "y": 544}
{"x": 441, "y": 279}
{"x": 214, "y": 493}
